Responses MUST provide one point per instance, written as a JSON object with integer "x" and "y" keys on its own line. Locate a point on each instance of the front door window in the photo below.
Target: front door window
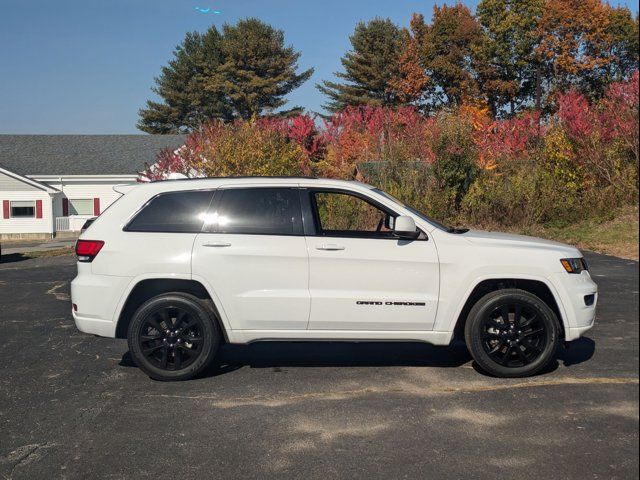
{"x": 343, "y": 214}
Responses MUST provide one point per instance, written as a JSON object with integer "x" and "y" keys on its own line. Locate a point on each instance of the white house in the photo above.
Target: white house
{"x": 52, "y": 183}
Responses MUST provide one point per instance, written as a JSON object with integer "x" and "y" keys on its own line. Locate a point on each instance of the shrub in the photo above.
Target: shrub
{"x": 458, "y": 166}
{"x": 605, "y": 137}
{"x": 237, "y": 149}
{"x": 456, "y": 160}
{"x": 248, "y": 148}
{"x": 365, "y": 134}
{"x": 412, "y": 182}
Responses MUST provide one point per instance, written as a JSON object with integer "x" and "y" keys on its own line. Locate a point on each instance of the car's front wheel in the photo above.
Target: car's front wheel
{"x": 173, "y": 337}
{"x": 512, "y": 333}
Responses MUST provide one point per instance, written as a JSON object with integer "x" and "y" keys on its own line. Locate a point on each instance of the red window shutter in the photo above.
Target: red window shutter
{"x": 96, "y": 206}
{"x": 5, "y": 208}
{"x": 65, "y": 207}
{"x": 38, "y": 208}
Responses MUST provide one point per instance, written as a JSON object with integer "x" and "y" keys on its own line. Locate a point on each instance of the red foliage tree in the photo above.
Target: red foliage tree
{"x": 597, "y": 130}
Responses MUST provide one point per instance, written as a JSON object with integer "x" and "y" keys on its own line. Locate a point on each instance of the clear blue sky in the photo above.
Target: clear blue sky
{"x": 71, "y": 66}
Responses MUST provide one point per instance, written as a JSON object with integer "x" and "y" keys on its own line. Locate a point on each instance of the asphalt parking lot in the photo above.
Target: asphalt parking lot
{"x": 72, "y": 406}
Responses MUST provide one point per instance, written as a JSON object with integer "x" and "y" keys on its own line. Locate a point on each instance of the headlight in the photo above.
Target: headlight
{"x": 574, "y": 265}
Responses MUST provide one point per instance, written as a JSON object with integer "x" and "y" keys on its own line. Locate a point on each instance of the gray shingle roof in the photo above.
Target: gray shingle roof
{"x": 82, "y": 154}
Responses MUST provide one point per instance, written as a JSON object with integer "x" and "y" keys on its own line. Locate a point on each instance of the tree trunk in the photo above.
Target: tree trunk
{"x": 538, "y": 87}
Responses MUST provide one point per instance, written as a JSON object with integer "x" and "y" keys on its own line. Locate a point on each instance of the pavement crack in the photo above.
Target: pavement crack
{"x": 404, "y": 389}
{"x": 58, "y": 295}
{"x": 26, "y": 454}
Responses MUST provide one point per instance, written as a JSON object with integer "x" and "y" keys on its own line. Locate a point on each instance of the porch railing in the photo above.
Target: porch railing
{"x": 62, "y": 224}
{"x": 72, "y": 223}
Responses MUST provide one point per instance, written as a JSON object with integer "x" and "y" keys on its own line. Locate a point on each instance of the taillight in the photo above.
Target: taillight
{"x": 86, "y": 250}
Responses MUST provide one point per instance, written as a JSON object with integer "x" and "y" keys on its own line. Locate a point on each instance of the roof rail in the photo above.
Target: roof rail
{"x": 234, "y": 177}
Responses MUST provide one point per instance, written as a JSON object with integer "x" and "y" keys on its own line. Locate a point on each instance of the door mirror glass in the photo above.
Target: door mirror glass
{"x": 405, "y": 227}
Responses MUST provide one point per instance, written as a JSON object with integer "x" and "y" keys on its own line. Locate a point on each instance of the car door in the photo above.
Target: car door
{"x": 361, "y": 277}
{"x": 254, "y": 256}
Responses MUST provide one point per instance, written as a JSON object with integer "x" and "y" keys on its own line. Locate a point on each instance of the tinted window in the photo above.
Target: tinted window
{"x": 344, "y": 214}
{"x": 266, "y": 211}
{"x": 23, "y": 209}
{"x": 173, "y": 212}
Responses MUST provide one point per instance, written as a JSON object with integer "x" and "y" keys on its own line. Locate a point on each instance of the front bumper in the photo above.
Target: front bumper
{"x": 577, "y": 332}
{"x": 579, "y": 296}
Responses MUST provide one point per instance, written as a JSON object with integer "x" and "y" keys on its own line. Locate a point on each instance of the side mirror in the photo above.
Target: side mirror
{"x": 405, "y": 227}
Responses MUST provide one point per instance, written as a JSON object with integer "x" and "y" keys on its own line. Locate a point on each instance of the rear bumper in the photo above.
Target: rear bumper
{"x": 95, "y": 326}
{"x": 96, "y": 298}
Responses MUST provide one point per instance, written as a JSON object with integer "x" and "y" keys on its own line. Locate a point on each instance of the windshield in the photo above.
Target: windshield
{"x": 424, "y": 217}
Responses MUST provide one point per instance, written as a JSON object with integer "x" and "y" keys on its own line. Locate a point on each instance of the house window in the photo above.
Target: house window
{"x": 23, "y": 209}
{"x": 81, "y": 206}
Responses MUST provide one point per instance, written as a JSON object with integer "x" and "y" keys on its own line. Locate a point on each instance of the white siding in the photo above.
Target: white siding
{"x": 10, "y": 184}
{"x": 89, "y": 189}
{"x": 27, "y": 225}
{"x": 70, "y": 187}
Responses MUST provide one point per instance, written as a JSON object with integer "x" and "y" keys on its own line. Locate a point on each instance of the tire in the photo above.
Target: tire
{"x": 512, "y": 333}
{"x": 173, "y": 336}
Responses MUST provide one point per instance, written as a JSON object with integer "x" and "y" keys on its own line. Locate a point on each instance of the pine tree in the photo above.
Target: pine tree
{"x": 258, "y": 70}
{"x": 181, "y": 85}
{"x": 368, "y": 68}
{"x": 244, "y": 72}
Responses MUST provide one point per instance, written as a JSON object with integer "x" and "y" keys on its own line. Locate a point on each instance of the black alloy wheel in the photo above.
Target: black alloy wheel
{"x": 173, "y": 336}
{"x": 512, "y": 333}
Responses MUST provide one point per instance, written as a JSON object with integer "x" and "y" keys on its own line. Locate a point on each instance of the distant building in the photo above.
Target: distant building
{"x": 53, "y": 183}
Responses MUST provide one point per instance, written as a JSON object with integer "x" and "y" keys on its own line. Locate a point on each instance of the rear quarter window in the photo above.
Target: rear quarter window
{"x": 175, "y": 212}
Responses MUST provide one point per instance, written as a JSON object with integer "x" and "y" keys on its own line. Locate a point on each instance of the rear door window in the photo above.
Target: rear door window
{"x": 176, "y": 212}
{"x": 259, "y": 211}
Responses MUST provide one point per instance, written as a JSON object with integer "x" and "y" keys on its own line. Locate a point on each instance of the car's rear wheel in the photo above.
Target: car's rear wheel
{"x": 173, "y": 337}
{"x": 512, "y": 333}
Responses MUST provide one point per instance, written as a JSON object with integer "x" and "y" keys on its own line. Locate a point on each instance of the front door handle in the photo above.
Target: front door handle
{"x": 330, "y": 247}
{"x": 216, "y": 244}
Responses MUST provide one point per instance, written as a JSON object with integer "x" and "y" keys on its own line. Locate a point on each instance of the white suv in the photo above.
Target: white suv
{"x": 177, "y": 267}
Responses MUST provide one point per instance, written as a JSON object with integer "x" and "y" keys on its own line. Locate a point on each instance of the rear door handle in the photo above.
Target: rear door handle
{"x": 216, "y": 244}
{"x": 330, "y": 247}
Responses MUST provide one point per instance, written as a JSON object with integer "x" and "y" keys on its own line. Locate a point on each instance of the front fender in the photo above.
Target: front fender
{"x": 449, "y": 309}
